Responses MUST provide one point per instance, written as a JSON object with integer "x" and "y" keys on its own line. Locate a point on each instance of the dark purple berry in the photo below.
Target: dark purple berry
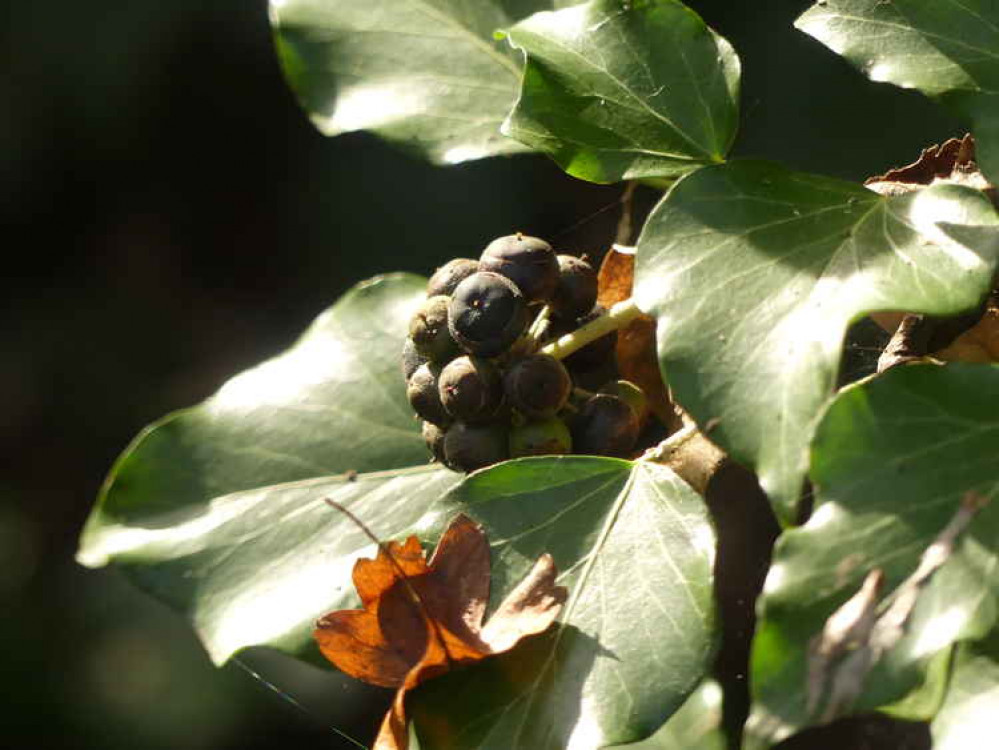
{"x": 471, "y": 447}
{"x": 421, "y": 390}
{"x": 487, "y": 314}
{"x": 528, "y": 262}
{"x": 429, "y": 332}
{"x": 576, "y": 290}
{"x": 471, "y": 389}
{"x": 537, "y": 386}
{"x": 604, "y": 426}
{"x": 630, "y": 393}
{"x": 446, "y": 278}
{"x": 544, "y": 438}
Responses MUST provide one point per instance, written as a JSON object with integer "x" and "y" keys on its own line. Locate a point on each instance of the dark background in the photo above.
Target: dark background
{"x": 170, "y": 217}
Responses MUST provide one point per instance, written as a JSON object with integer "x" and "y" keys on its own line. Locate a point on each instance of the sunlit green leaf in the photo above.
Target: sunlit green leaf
{"x": 754, "y": 273}
{"x": 948, "y": 49}
{"x": 891, "y": 461}
{"x": 426, "y": 74}
{"x": 634, "y": 546}
{"x": 620, "y": 89}
{"x": 696, "y": 725}
{"x": 969, "y": 716}
{"x": 218, "y": 510}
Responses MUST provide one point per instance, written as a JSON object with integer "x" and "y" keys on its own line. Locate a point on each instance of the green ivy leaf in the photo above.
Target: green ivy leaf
{"x": 218, "y": 510}
{"x": 948, "y": 49}
{"x": 634, "y": 546}
{"x": 696, "y": 725}
{"x": 754, "y": 273}
{"x": 622, "y": 89}
{"x": 891, "y": 461}
{"x": 426, "y": 74}
{"x": 970, "y": 712}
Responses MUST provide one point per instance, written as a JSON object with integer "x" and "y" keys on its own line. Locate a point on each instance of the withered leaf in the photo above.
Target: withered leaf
{"x": 935, "y": 162}
{"x": 421, "y": 619}
{"x": 980, "y": 343}
{"x": 637, "y": 360}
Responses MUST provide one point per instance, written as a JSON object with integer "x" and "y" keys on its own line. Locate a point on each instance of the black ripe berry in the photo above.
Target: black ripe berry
{"x": 537, "y": 386}
{"x": 542, "y": 438}
{"x": 411, "y": 359}
{"x": 421, "y": 390}
{"x": 434, "y": 438}
{"x": 604, "y": 426}
{"x": 528, "y": 262}
{"x": 471, "y": 447}
{"x": 576, "y": 290}
{"x": 429, "y": 332}
{"x": 487, "y": 314}
{"x": 446, "y": 278}
{"x": 471, "y": 389}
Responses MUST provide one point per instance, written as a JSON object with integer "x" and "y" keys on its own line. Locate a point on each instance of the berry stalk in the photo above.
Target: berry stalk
{"x": 617, "y": 317}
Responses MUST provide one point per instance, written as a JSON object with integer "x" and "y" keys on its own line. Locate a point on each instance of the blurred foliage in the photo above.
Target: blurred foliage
{"x": 173, "y": 218}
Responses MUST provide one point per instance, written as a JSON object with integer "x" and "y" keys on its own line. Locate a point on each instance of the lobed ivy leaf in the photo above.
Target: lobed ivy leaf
{"x": 622, "y": 89}
{"x": 948, "y": 49}
{"x": 217, "y": 510}
{"x": 970, "y": 712}
{"x": 425, "y": 74}
{"x": 697, "y": 724}
{"x": 634, "y": 546}
{"x": 754, "y": 273}
{"x": 891, "y": 461}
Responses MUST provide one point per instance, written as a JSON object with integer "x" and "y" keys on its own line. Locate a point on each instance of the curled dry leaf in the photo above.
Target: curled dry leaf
{"x": 421, "y": 619}
{"x": 980, "y": 343}
{"x": 636, "y": 343}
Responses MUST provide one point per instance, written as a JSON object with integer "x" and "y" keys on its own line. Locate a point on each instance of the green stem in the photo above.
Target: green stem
{"x": 617, "y": 317}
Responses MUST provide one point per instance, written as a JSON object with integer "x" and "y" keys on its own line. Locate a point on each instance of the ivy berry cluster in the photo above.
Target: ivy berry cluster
{"x": 476, "y": 376}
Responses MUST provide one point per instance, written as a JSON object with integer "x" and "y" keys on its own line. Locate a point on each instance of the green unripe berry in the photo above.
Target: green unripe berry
{"x": 542, "y": 438}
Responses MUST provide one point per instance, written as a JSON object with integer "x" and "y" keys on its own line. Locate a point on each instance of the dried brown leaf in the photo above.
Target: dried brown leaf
{"x": 980, "y": 343}
{"x": 615, "y": 278}
{"x": 420, "y": 620}
{"x": 636, "y": 355}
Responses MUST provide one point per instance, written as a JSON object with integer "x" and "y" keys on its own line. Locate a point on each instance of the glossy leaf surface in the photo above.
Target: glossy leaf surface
{"x": 696, "y": 725}
{"x": 754, "y": 273}
{"x": 618, "y": 89}
{"x": 891, "y": 461}
{"x": 426, "y": 74}
{"x": 633, "y": 544}
{"x": 218, "y": 510}
{"x": 969, "y": 716}
{"x": 948, "y": 49}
